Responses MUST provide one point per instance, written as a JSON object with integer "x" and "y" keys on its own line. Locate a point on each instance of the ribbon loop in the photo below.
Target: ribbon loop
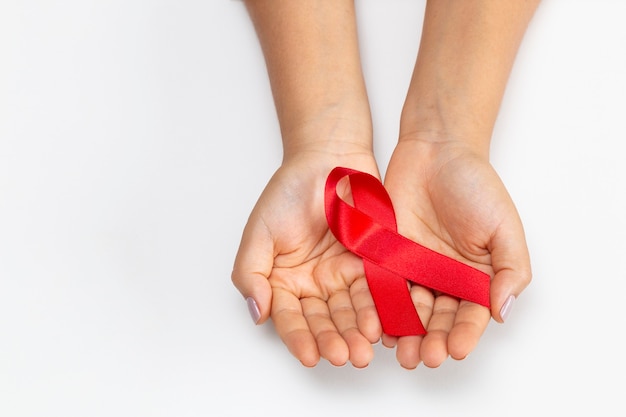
{"x": 368, "y": 229}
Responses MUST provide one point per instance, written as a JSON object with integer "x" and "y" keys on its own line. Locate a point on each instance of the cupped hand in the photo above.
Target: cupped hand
{"x": 297, "y": 273}
{"x": 450, "y": 199}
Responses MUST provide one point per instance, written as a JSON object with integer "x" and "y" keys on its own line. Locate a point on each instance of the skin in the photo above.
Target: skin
{"x": 446, "y": 194}
{"x": 288, "y": 261}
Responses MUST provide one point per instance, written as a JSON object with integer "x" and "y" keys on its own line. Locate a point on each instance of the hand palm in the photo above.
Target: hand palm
{"x": 453, "y": 202}
{"x": 320, "y": 304}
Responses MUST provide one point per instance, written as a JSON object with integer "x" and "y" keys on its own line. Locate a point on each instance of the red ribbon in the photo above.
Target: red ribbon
{"x": 368, "y": 229}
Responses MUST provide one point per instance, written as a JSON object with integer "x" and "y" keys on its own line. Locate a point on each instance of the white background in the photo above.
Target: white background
{"x": 135, "y": 137}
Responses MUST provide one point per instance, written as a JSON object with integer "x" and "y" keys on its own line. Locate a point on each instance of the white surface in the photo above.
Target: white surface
{"x": 135, "y": 136}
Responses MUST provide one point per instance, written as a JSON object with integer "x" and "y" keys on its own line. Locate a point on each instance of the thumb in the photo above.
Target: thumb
{"x": 251, "y": 270}
{"x": 511, "y": 265}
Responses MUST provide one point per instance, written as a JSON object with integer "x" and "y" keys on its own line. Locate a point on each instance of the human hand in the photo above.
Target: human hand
{"x": 450, "y": 199}
{"x": 294, "y": 269}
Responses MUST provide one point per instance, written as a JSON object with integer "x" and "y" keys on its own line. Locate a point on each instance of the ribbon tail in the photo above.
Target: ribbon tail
{"x": 395, "y": 308}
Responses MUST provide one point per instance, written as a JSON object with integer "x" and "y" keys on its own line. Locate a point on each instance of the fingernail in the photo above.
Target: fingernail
{"x": 253, "y": 309}
{"x": 507, "y": 307}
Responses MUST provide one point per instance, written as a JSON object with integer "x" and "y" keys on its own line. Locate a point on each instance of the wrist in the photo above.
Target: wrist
{"x": 331, "y": 133}
{"x": 445, "y": 129}
{"x": 335, "y": 145}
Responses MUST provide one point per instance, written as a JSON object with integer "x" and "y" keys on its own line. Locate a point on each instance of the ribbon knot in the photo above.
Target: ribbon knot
{"x": 368, "y": 229}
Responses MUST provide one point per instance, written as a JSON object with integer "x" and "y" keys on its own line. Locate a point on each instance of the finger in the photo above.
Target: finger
{"x": 252, "y": 267}
{"x": 434, "y": 347}
{"x": 293, "y": 328}
{"x": 348, "y": 272}
{"x": 389, "y": 341}
{"x": 344, "y": 317}
{"x": 470, "y": 323}
{"x": 512, "y": 270}
{"x": 331, "y": 345}
{"x": 408, "y": 347}
{"x": 408, "y": 351}
{"x": 506, "y": 287}
{"x": 366, "y": 315}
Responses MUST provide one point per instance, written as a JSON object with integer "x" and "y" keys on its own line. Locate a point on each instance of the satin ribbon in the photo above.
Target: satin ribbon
{"x": 368, "y": 229}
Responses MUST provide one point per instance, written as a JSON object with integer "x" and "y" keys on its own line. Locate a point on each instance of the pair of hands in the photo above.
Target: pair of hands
{"x": 291, "y": 268}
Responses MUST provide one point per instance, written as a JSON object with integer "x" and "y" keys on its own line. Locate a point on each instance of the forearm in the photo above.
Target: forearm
{"x": 466, "y": 54}
{"x": 312, "y": 57}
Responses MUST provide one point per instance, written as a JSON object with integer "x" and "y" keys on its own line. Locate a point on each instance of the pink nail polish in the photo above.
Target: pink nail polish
{"x": 253, "y": 309}
{"x": 507, "y": 307}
